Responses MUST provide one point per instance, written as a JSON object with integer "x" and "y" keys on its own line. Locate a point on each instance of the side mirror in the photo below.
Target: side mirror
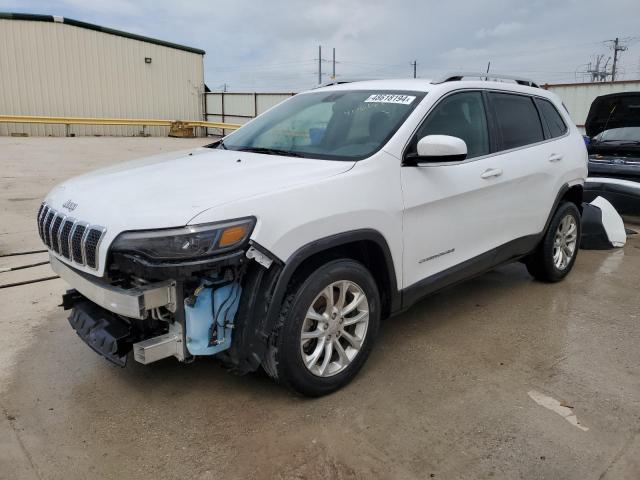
{"x": 438, "y": 148}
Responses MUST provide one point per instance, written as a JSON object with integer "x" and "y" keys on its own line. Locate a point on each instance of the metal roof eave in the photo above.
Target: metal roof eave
{"x": 90, "y": 26}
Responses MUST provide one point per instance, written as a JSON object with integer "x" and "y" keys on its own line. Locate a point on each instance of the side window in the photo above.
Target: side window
{"x": 460, "y": 115}
{"x": 517, "y": 120}
{"x": 553, "y": 119}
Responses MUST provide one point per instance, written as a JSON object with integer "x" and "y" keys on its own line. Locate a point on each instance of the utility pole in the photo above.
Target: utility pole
{"x": 415, "y": 65}
{"x": 333, "y": 73}
{"x": 616, "y": 48}
{"x": 319, "y": 64}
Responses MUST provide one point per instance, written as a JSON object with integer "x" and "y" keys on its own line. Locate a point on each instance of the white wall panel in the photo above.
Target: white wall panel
{"x": 578, "y": 96}
{"x": 265, "y": 102}
{"x": 214, "y": 103}
{"x": 239, "y": 107}
{"x": 239, "y": 104}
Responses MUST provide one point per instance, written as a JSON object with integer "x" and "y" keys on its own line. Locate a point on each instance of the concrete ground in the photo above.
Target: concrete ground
{"x": 500, "y": 377}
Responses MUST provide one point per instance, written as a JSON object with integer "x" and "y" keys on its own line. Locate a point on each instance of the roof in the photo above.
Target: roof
{"x": 90, "y": 26}
{"x": 426, "y": 85}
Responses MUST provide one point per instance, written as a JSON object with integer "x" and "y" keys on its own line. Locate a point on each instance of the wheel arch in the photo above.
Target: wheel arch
{"x": 573, "y": 194}
{"x": 567, "y": 193}
{"x": 367, "y": 246}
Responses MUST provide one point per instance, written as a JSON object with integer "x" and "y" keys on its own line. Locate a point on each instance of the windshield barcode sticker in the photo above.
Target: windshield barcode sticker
{"x": 390, "y": 98}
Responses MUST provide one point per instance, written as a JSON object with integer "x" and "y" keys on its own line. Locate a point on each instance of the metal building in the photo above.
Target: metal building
{"x": 577, "y": 97}
{"x": 55, "y": 66}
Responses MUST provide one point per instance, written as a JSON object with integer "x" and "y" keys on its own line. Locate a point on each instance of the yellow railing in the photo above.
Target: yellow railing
{"x": 114, "y": 121}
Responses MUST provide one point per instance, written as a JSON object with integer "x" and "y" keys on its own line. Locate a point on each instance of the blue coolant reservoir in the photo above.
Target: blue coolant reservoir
{"x": 209, "y": 322}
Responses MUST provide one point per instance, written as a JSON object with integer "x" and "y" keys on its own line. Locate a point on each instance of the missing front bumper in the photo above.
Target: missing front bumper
{"x": 170, "y": 344}
{"x": 132, "y": 303}
{"x": 106, "y": 334}
{"x": 113, "y": 337}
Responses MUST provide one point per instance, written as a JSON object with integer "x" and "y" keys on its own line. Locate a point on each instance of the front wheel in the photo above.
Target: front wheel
{"x": 557, "y": 252}
{"x": 326, "y": 329}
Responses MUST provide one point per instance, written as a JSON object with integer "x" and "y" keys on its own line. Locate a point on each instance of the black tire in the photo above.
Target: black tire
{"x": 284, "y": 362}
{"x": 540, "y": 263}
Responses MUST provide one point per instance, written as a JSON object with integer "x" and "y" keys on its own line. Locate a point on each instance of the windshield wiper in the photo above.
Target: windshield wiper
{"x": 218, "y": 144}
{"x": 270, "y": 151}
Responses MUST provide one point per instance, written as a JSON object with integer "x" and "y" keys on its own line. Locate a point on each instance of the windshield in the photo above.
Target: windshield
{"x": 624, "y": 134}
{"x": 342, "y": 125}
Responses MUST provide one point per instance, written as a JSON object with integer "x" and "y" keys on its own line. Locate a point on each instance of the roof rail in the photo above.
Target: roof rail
{"x": 457, "y": 76}
{"x": 341, "y": 81}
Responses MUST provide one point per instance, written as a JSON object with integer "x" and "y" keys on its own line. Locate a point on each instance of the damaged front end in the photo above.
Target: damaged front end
{"x": 158, "y": 305}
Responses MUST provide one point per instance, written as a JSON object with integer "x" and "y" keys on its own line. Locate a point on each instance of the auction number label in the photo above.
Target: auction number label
{"x": 390, "y": 98}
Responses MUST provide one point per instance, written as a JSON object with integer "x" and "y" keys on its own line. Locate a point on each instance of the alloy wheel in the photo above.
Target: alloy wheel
{"x": 334, "y": 328}
{"x": 564, "y": 242}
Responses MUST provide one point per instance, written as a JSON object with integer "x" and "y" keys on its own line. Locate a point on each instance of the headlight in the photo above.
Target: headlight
{"x": 186, "y": 242}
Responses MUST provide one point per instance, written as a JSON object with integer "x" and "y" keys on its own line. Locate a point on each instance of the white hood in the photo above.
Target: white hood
{"x": 171, "y": 189}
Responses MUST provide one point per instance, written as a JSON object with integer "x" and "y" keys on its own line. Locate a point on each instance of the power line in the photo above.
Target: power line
{"x": 597, "y": 70}
{"x": 295, "y": 72}
{"x": 319, "y": 64}
{"x": 348, "y": 62}
{"x": 333, "y": 74}
{"x": 333, "y": 64}
{"x": 271, "y": 65}
{"x": 617, "y": 47}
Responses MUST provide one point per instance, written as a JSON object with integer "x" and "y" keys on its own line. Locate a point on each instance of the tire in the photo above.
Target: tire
{"x": 290, "y": 360}
{"x": 544, "y": 264}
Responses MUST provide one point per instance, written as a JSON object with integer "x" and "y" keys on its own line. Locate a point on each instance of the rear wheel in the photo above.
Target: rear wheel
{"x": 557, "y": 252}
{"x": 326, "y": 329}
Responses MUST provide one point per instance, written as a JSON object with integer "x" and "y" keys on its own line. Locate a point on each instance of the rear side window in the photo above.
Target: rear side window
{"x": 552, "y": 117}
{"x": 517, "y": 120}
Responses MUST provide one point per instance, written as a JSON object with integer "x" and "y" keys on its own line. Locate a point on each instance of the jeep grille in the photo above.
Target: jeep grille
{"x": 75, "y": 240}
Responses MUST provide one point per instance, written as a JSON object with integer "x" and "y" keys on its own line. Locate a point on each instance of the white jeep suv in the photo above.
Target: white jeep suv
{"x": 285, "y": 244}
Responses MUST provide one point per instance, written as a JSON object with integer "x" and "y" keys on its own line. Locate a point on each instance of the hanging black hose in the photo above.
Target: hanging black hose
{"x": 231, "y": 298}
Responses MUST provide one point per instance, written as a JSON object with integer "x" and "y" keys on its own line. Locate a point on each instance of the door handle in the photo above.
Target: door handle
{"x": 491, "y": 172}
{"x": 554, "y": 157}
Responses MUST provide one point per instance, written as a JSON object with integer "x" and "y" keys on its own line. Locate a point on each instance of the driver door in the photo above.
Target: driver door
{"x": 453, "y": 211}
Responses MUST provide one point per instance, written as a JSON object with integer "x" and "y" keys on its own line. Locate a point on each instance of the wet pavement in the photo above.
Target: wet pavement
{"x": 462, "y": 385}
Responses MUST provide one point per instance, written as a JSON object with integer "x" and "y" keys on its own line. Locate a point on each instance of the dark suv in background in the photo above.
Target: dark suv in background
{"x": 613, "y": 128}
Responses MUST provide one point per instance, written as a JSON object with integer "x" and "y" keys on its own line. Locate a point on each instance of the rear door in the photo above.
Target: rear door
{"x": 529, "y": 177}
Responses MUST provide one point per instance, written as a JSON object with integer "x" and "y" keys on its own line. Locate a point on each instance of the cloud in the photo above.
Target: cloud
{"x": 123, "y": 7}
{"x": 503, "y": 29}
{"x": 256, "y": 45}
{"x": 464, "y": 53}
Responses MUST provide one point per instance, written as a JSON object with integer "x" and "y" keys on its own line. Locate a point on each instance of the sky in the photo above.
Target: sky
{"x": 273, "y": 46}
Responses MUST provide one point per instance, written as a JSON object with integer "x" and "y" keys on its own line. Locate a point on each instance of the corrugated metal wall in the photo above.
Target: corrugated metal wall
{"x": 232, "y": 107}
{"x": 55, "y": 69}
{"x": 578, "y": 96}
